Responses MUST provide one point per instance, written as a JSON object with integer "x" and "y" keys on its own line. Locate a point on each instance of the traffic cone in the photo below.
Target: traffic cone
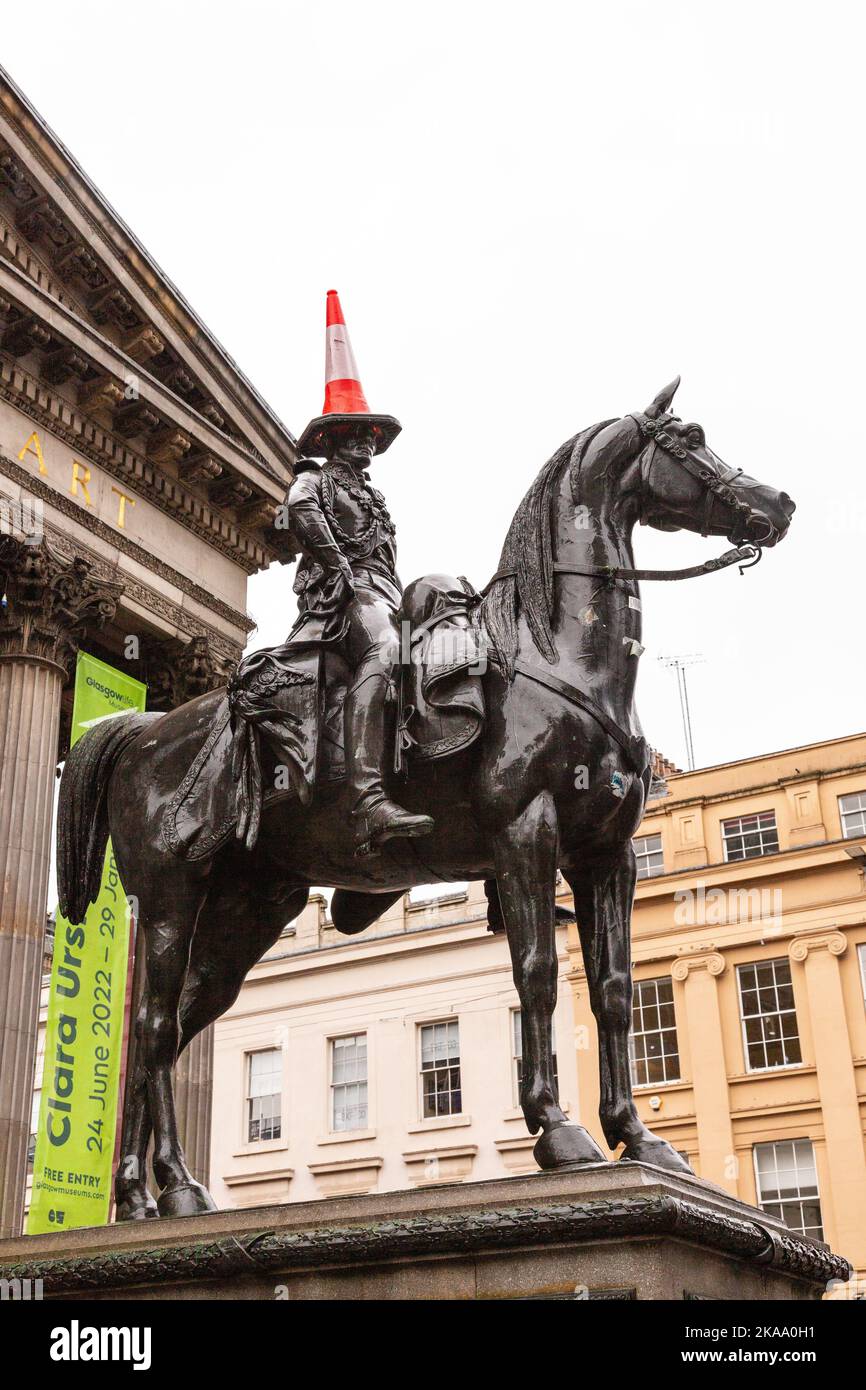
{"x": 345, "y": 401}
{"x": 343, "y": 390}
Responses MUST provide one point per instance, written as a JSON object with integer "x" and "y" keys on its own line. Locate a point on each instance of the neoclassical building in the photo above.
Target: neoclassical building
{"x": 140, "y": 474}
{"x": 749, "y": 960}
{"x": 391, "y": 1059}
{"x": 386, "y": 1060}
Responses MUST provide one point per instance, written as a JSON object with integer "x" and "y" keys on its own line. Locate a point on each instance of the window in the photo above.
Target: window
{"x": 517, "y": 1052}
{"x": 648, "y": 853}
{"x": 788, "y": 1185}
{"x": 264, "y": 1095}
{"x": 852, "y": 810}
{"x": 440, "y": 1070}
{"x": 349, "y": 1082}
{"x": 748, "y": 837}
{"x": 861, "y": 956}
{"x": 768, "y": 1016}
{"x": 655, "y": 1054}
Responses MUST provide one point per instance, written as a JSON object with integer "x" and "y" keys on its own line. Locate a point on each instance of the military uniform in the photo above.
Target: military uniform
{"x": 349, "y": 596}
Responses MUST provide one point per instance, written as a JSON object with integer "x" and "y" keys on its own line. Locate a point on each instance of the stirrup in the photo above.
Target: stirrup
{"x": 389, "y": 828}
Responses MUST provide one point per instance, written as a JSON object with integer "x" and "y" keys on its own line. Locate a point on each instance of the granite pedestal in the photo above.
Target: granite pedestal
{"x": 602, "y": 1231}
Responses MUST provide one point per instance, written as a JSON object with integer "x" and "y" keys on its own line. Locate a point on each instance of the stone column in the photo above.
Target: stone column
{"x": 699, "y": 974}
{"x": 819, "y": 955}
{"x": 193, "y": 1088}
{"x": 48, "y": 600}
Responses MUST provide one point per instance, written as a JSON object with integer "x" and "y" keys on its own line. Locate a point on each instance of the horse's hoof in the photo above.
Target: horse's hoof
{"x": 659, "y": 1152}
{"x": 565, "y": 1145}
{"x": 140, "y": 1207}
{"x": 188, "y": 1199}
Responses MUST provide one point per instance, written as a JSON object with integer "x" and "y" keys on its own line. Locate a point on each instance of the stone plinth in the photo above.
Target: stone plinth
{"x": 607, "y": 1231}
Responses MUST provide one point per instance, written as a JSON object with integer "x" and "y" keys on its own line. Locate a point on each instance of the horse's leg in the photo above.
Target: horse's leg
{"x": 526, "y": 855}
{"x": 235, "y": 929}
{"x": 223, "y": 950}
{"x": 602, "y": 903}
{"x": 133, "y": 1202}
{"x": 168, "y": 925}
{"x": 353, "y": 911}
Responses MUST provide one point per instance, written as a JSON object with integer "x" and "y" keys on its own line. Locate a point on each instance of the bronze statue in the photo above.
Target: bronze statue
{"x": 349, "y": 594}
{"x": 532, "y": 762}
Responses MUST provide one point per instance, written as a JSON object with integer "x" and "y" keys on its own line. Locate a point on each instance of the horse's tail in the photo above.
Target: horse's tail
{"x": 82, "y": 811}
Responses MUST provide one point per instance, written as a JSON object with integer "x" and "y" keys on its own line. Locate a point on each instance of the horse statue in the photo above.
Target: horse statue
{"x": 556, "y": 779}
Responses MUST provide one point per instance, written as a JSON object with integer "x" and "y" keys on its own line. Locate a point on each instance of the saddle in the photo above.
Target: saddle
{"x": 277, "y": 730}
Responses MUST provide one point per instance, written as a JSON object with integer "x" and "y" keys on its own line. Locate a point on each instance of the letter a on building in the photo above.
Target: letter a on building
{"x": 84, "y": 1029}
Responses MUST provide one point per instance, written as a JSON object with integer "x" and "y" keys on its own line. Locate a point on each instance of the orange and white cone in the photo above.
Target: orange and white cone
{"x": 345, "y": 402}
{"x": 344, "y": 393}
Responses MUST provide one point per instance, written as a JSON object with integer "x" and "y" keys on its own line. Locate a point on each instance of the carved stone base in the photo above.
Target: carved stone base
{"x": 607, "y": 1231}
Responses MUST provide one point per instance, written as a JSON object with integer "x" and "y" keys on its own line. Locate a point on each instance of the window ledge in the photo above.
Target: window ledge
{"x": 262, "y": 1175}
{"x": 784, "y": 1070}
{"x": 439, "y": 1122}
{"x": 346, "y": 1136}
{"x": 648, "y": 1088}
{"x": 261, "y": 1146}
{"x": 346, "y": 1165}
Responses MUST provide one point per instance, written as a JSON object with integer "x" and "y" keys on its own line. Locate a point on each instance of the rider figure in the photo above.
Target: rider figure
{"x": 347, "y": 586}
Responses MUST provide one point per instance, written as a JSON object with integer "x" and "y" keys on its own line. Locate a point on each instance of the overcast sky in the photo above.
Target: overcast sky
{"x": 536, "y": 216}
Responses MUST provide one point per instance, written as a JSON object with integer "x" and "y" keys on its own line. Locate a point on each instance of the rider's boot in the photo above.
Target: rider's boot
{"x": 375, "y": 817}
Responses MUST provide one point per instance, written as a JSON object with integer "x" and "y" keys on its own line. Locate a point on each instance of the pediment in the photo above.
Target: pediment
{"x": 62, "y": 243}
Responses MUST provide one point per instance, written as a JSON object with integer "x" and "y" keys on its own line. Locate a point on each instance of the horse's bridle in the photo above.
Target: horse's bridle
{"x": 716, "y": 485}
{"x": 746, "y": 554}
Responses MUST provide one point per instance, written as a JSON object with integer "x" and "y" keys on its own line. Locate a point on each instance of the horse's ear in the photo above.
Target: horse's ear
{"x": 663, "y": 400}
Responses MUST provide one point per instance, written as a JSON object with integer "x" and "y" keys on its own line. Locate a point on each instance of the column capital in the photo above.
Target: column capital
{"x": 833, "y": 941}
{"x": 49, "y": 601}
{"x": 176, "y": 671}
{"x": 711, "y": 961}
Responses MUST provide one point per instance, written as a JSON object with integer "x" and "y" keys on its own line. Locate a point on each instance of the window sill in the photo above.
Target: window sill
{"x": 439, "y": 1122}
{"x": 346, "y": 1136}
{"x": 784, "y": 1067}
{"x": 261, "y": 1146}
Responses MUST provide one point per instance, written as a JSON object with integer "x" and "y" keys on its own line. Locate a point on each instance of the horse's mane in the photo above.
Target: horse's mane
{"x": 528, "y": 550}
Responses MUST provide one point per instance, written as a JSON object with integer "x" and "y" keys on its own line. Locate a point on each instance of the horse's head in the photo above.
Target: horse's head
{"x": 680, "y": 483}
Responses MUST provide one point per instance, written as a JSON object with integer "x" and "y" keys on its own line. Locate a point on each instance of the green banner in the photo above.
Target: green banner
{"x": 84, "y": 1031}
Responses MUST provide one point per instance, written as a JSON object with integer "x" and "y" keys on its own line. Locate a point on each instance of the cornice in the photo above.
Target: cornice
{"x": 63, "y": 322}
{"x": 108, "y": 235}
{"x": 651, "y": 890}
{"x": 35, "y": 267}
{"x": 704, "y": 799}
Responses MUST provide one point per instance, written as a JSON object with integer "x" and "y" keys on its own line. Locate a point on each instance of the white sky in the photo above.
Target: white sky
{"x": 536, "y": 216}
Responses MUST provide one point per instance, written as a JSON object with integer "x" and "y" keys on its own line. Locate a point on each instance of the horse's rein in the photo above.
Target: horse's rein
{"x": 744, "y": 555}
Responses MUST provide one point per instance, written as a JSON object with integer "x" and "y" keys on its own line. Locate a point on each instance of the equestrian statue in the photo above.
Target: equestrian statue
{"x": 498, "y": 741}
